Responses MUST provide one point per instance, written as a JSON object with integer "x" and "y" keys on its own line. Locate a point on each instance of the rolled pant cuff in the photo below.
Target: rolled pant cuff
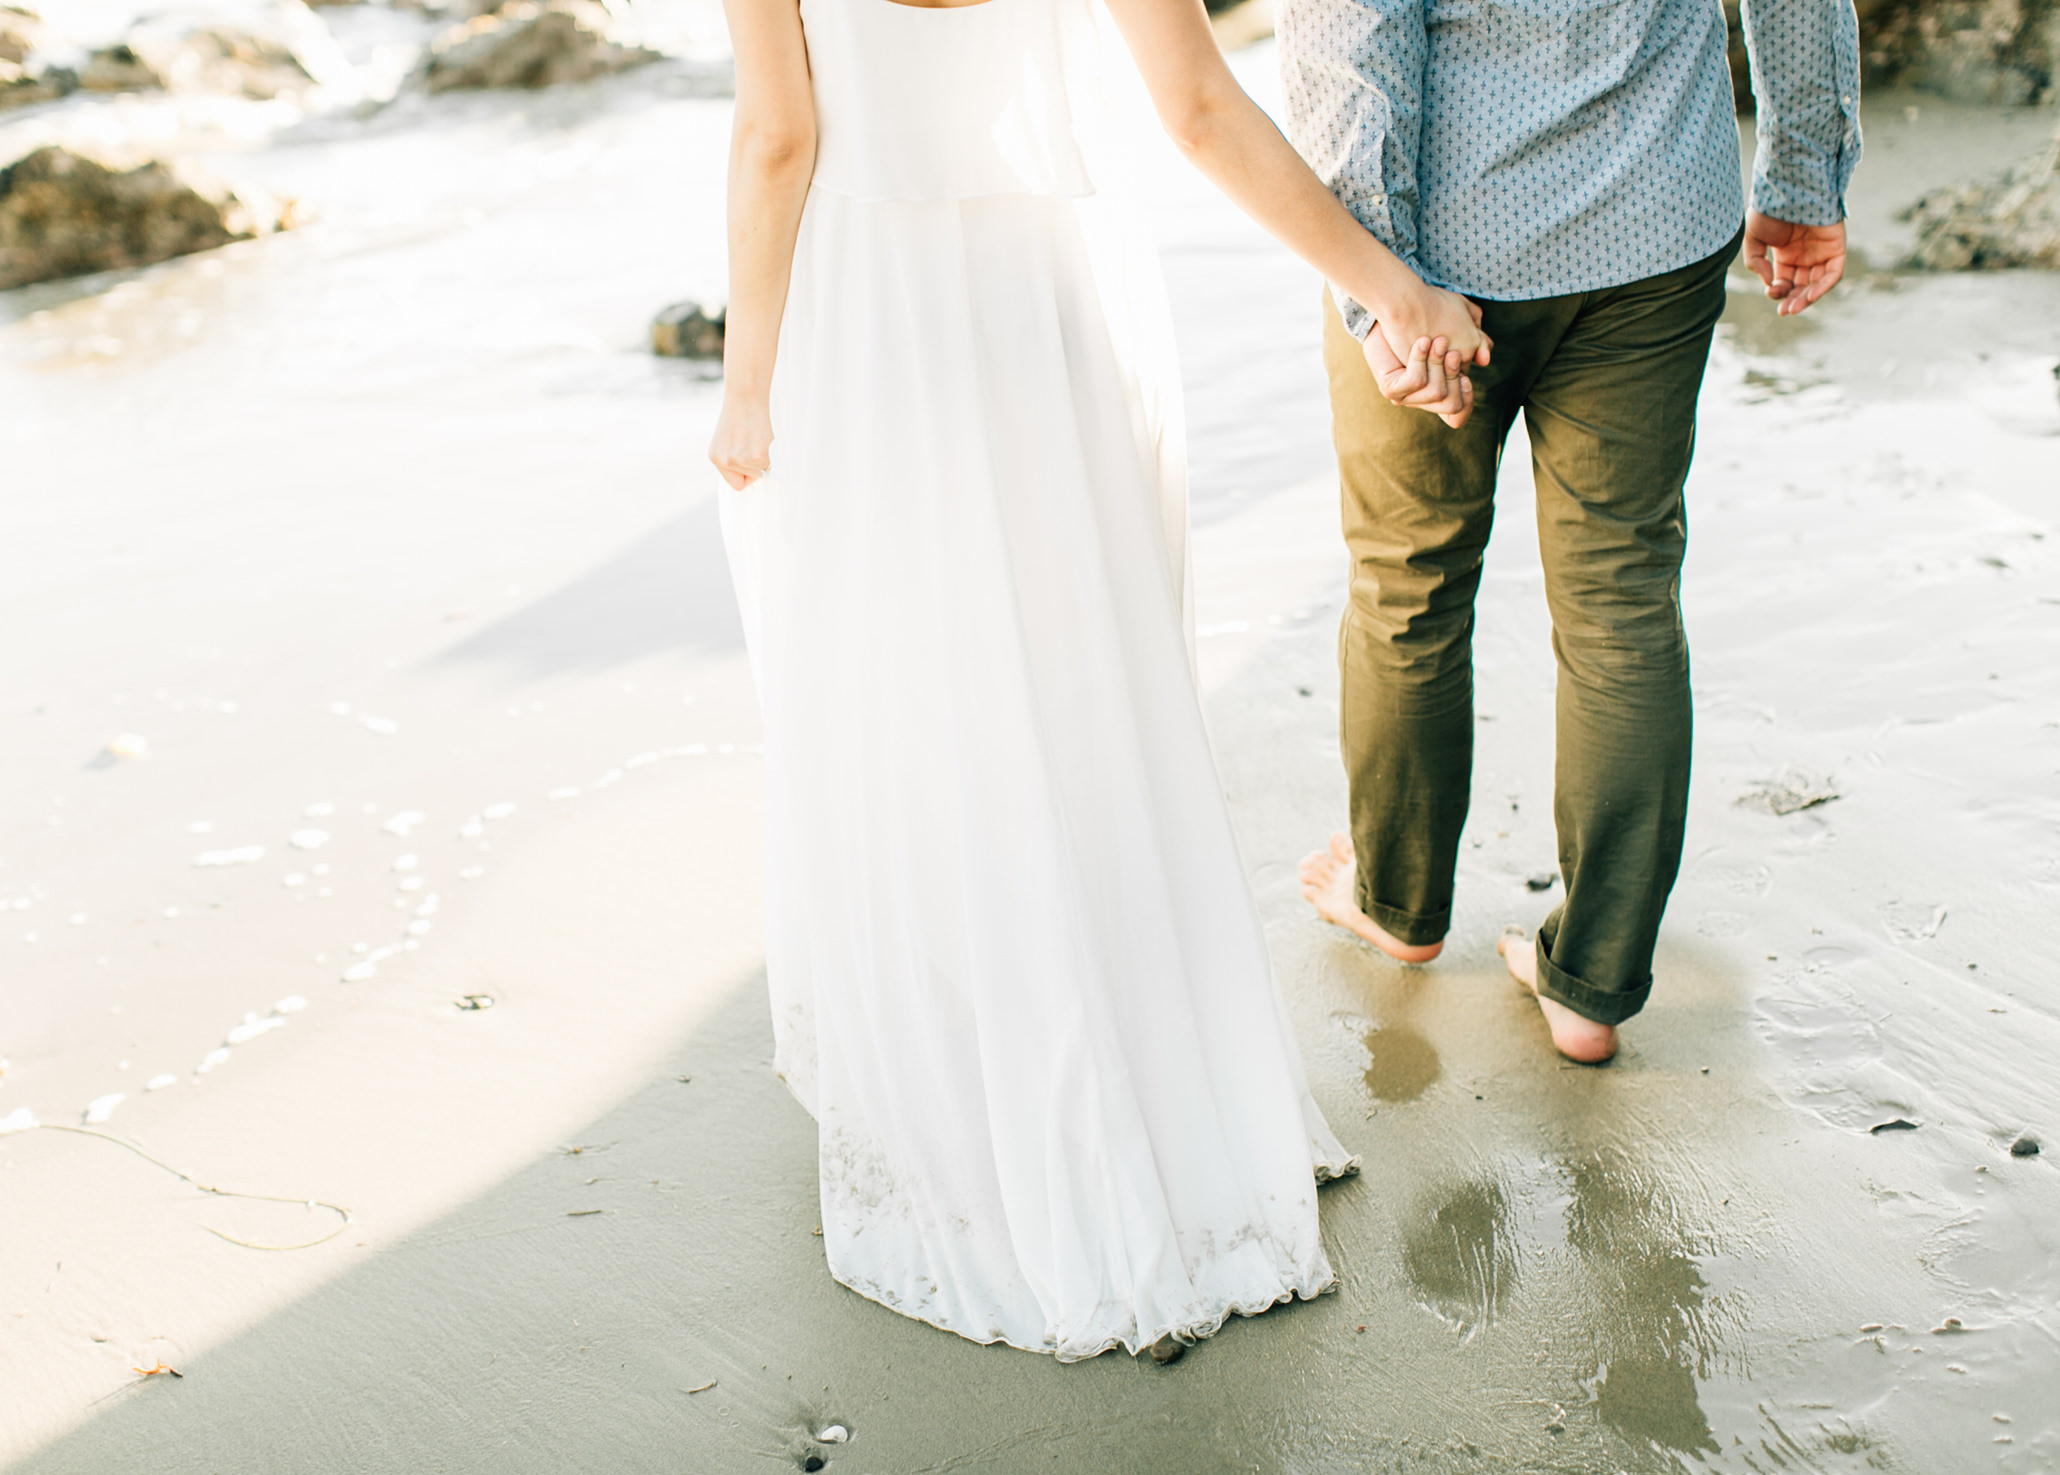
{"x": 1417, "y": 929}
{"x": 1600, "y": 1006}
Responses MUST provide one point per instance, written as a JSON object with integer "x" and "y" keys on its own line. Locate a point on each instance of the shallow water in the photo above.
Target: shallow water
{"x": 396, "y": 513}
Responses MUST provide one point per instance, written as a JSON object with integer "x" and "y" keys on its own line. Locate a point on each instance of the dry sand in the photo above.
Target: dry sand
{"x": 395, "y": 514}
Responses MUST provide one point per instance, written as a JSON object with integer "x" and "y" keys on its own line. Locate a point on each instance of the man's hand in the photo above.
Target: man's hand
{"x": 1419, "y": 350}
{"x": 1796, "y": 263}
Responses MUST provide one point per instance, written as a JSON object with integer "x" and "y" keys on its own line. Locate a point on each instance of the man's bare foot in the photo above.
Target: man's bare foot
{"x": 1329, "y": 882}
{"x": 1576, "y": 1038}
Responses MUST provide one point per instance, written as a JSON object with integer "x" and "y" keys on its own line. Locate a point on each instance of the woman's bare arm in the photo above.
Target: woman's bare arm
{"x": 772, "y": 158}
{"x": 1232, "y": 141}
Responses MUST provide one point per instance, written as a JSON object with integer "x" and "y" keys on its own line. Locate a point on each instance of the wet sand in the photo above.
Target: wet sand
{"x": 395, "y": 515}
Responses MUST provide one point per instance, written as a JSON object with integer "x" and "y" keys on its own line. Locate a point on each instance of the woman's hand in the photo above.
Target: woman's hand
{"x": 742, "y": 447}
{"x": 1419, "y": 350}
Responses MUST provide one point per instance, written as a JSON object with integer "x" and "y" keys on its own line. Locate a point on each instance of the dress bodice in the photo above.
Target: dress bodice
{"x": 923, "y": 104}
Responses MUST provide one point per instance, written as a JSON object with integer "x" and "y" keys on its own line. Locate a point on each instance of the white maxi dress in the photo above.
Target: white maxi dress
{"x": 1015, "y": 970}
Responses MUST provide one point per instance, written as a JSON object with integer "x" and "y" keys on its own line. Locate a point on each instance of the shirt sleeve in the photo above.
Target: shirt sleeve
{"x": 1806, "y": 82}
{"x": 1352, "y": 75}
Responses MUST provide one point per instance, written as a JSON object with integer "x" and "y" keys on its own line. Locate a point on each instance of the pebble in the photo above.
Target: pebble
{"x": 2025, "y": 1146}
{"x": 1541, "y": 881}
{"x": 403, "y": 822}
{"x": 308, "y": 839}
{"x": 242, "y": 855}
{"x": 158, "y": 1083}
{"x": 21, "y": 1119}
{"x": 835, "y": 1434}
{"x": 103, "y": 1107}
{"x": 1897, "y": 1124}
{"x": 499, "y": 811}
{"x": 128, "y": 745}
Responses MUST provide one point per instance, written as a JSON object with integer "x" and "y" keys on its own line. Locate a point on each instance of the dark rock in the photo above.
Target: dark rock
{"x": 2010, "y": 221}
{"x": 1540, "y": 882}
{"x": 526, "y": 44}
{"x": 1997, "y": 51}
{"x": 1993, "y": 51}
{"x": 687, "y": 330}
{"x": 64, "y": 215}
{"x": 2025, "y": 1146}
{"x": 1166, "y": 1350}
{"x": 1897, "y": 1124}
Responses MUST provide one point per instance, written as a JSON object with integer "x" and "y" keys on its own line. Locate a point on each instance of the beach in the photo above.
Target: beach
{"x": 379, "y": 835}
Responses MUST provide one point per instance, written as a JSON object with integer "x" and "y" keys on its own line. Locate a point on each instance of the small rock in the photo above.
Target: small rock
{"x": 63, "y": 215}
{"x": 1542, "y": 881}
{"x": 687, "y": 330}
{"x": 1167, "y": 1349}
{"x": 128, "y": 745}
{"x": 1789, "y": 792}
{"x": 2025, "y": 1146}
{"x": 835, "y": 1434}
{"x": 475, "y": 1002}
{"x": 1897, "y": 1124}
{"x": 525, "y": 44}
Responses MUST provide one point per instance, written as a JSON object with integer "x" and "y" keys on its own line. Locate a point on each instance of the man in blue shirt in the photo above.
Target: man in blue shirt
{"x": 1572, "y": 166}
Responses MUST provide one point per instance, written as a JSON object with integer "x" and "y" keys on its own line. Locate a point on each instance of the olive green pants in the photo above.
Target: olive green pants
{"x": 1607, "y": 382}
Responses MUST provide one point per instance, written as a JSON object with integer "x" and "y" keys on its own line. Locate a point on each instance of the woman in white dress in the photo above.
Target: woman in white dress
{"x": 1016, "y": 973}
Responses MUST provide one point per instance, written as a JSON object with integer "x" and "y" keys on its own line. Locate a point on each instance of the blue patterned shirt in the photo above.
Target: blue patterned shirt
{"x": 1514, "y": 149}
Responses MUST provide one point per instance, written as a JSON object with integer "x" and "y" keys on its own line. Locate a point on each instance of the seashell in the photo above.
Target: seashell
{"x": 294, "y": 879}
{"x": 21, "y": 1119}
{"x": 403, "y": 822}
{"x": 128, "y": 745}
{"x": 429, "y": 905}
{"x": 100, "y": 1109}
{"x": 212, "y": 1059}
{"x": 406, "y": 862}
{"x": 613, "y": 775}
{"x": 308, "y": 839}
{"x": 384, "y": 726}
{"x": 359, "y": 972}
{"x": 565, "y": 793}
{"x": 158, "y": 1083}
{"x": 499, "y": 811}
{"x": 321, "y": 809}
{"x": 472, "y": 829}
{"x": 291, "y": 1004}
{"x": 420, "y": 927}
{"x": 251, "y": 1028}
{"x": 242, "y": 855}
{"x": 835, "y": 1434}
{"x": 411, "y": 883}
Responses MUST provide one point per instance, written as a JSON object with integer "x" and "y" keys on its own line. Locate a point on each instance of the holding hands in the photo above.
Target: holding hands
{"x": 1419, "y": 351}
